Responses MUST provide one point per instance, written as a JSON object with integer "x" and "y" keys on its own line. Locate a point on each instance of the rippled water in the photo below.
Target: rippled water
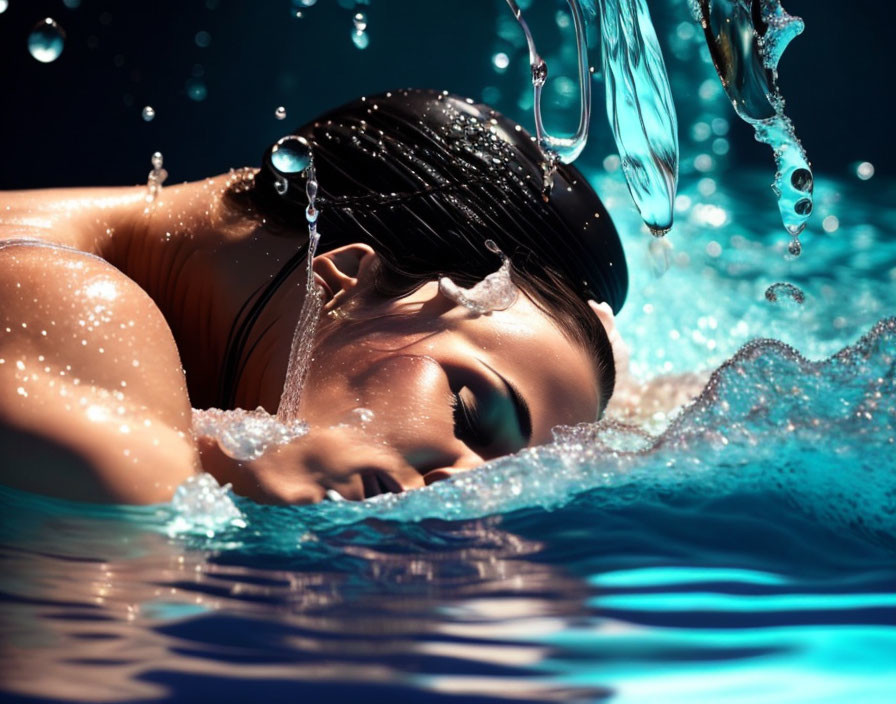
{"x": 744, "y": 553}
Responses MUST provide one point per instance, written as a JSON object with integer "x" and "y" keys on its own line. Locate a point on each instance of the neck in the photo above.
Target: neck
{"x": 205, "y": 266}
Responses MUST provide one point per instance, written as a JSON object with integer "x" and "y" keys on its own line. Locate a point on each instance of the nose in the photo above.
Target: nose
{"x": 437, "y": 475}
{"x": 437, "y": 454}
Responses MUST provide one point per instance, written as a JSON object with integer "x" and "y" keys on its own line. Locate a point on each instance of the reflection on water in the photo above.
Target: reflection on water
{"x": 576, "y": 605}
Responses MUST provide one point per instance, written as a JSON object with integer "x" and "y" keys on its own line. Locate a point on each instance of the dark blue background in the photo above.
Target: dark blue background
{"x": 77, "y": 120}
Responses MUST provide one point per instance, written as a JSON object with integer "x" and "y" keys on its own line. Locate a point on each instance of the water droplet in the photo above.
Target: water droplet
{"x": 775, "y": 292}
{"x": 280, "y": 113}
{"x": 148, "y": 113}
{"x": 360, "y": 39}
{"x": 801, "y": 180}
{"x": 71, "y": 4}
{"x": 291, "y": 155}
{"x": 803, "y": 206}
{"x": 364, "y": 415}
{"x": 311, "y": 214}
{"x": 360, "y": 21}
{"x": 202, "y": 39}
{"x": 3, "y": 5}
{"x": 157, "y": 160}
{"x": 281, "y": 185}
{"x": 795, "y": 248}
{"x": 46, "y": 41}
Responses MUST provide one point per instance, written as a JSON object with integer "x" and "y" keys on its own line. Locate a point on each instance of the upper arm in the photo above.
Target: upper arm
{"x": 90, "y": 368}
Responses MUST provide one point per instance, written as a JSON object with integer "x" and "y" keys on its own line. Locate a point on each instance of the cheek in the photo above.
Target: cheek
{"x": 406, "y": 392}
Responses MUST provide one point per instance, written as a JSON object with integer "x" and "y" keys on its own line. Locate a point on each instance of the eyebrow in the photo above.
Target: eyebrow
{"x": 520, "y": 407}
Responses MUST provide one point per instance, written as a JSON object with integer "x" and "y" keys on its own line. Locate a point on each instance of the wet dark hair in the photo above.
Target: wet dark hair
{"x": 425, "y": 177}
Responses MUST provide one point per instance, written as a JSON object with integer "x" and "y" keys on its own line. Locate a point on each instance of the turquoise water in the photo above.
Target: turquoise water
{"x": 746, "y": 552}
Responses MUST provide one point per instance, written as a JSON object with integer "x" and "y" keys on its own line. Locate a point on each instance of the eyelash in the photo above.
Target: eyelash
{"x": 467, "y": 424}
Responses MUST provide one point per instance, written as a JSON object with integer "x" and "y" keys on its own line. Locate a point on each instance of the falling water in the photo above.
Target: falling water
{"x": 640, "y": 109}
{"x": 247, "y": 435}
{"x": 639, "y": 105}
{"x": 745, "y": 47}
{"x": 303, "y": 337}
{"x": 565, "y": 149}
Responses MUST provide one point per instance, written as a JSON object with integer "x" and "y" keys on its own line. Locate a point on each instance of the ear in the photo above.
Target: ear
{"x": 620, "y": 349}
{"x": 342, "y": 269}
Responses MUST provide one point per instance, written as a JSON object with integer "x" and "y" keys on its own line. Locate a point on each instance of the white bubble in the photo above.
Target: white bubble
{"x": 501, "y": 61}
{"x": 704, "y": 162}
{"x": 611, "y": 163}
{"x": 148, "y": 113}
{"x": 685, "y": 30}
{"x": 706, "y": 186}
{"x": 280, "y": 113}
{"x": 720, "y": 126}
{"x": 865, "y": 170}
{"x": 701, "y": 131}
{"x": 3, "y": 5}
{"x": 831, "y": 223}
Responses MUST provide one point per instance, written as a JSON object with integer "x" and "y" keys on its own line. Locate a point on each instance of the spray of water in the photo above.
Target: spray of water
{"x": 745, "y": 47}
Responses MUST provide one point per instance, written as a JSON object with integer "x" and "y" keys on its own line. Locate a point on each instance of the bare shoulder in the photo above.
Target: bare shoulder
{"x": 89, "y": 368}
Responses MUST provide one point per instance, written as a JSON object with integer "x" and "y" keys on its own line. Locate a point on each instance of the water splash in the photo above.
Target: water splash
{"x": 746, "y": 42}
{"x": 303, "y": 337}
{"x": 640, "y": 109}
{"x": 156, "y": 178}
{"x": 245, "y": 435}
{"x": 46, "y": 41}
{"x": 495, "y": 292}
{"x": 820, "y": 434}
{"x": 775, "y": 292}
{"x": 202, "y": 506}
{"x": 565, "y": 149}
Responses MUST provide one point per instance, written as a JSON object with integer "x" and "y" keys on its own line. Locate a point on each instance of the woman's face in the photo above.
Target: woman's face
{"x": 442, "y": 389}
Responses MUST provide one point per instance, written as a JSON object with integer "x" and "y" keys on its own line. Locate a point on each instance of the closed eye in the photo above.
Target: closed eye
{"x": 468, "y": 426}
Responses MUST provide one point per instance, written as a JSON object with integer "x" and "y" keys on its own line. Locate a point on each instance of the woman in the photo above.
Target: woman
{"x": 118, "y": 315}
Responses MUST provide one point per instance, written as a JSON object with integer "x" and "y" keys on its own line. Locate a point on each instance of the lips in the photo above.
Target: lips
{"x": 376, "y": 482}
